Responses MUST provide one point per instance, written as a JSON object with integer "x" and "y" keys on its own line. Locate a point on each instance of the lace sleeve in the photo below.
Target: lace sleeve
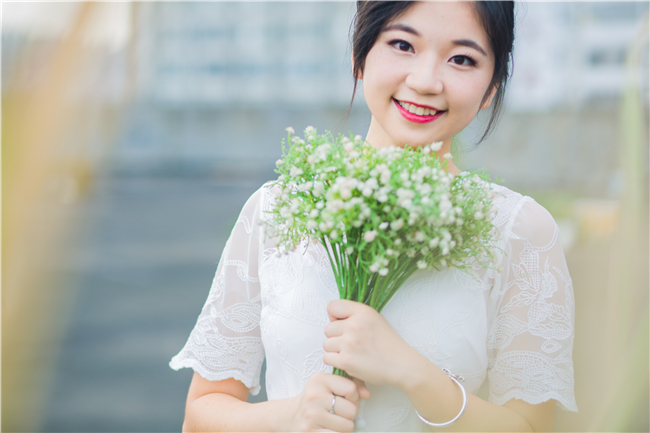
{"x": 530, "y": 341}
{"x": 225, "y": 342}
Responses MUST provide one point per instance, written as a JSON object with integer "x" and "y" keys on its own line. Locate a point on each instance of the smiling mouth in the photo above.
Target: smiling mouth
{"x": 417, "y": 113}
{"x": 417, "y": 109}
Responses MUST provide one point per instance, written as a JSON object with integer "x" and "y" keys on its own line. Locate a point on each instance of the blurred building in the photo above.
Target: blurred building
{"x": 202, "y": 87}
{"x": 244, "y": 54}
{"x": 572, "y": 53}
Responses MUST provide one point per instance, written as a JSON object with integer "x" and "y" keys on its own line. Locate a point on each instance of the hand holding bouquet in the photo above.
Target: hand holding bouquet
{"x": 381, "y": 214}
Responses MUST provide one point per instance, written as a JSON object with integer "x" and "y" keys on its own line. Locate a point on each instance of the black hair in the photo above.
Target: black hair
{"x": 498, "y": 21}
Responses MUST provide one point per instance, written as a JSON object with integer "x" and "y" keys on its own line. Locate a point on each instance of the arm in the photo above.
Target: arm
{"x": 221, "y": 406}
{"x": 438, "y": 399}
{"x": 364, "y": 344}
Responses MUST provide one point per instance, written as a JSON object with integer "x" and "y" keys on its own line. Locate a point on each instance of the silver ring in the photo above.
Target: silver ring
{"x": 333, "y": 403}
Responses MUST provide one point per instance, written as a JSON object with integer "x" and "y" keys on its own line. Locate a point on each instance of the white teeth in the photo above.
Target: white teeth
{"x": 420, "y": 111}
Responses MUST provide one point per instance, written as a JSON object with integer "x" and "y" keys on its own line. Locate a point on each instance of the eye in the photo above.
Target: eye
{"x": 401, "y": 45}
{"x": 463, "y": 61}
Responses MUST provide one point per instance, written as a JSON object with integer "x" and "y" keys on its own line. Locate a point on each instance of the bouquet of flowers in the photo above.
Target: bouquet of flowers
{"x": 381, "y": 214}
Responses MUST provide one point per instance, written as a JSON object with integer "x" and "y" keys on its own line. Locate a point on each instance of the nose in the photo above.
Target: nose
{"x": 425, "y": 76}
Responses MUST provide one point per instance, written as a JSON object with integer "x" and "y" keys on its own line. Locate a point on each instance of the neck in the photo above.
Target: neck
{"x": 377, "y": 138}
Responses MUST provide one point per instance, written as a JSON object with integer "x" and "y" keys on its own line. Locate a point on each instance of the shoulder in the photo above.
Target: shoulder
{"x": 261, "y": 198}
{"x": 521, "y": 217}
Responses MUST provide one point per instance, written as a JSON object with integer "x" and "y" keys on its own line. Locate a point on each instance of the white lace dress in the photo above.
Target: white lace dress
{"x": 513, "y": 326}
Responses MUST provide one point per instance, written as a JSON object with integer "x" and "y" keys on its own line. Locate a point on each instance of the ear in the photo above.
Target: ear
{"x": 488, "y": 101}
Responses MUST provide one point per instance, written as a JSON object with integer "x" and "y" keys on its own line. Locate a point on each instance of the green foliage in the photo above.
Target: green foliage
{"x": 381, "y": 214}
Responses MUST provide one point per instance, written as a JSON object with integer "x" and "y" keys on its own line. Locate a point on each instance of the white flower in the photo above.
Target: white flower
{"x": 319, "y": 188}
{"x": 436, "y": 146}
{"x": 290, "y": 130}
{"x": 383, "y": 272}
{"x": 434, "y": 242}
{"x": 398, "y": 241}
{"x": 311, "y": 224}
{"x": 447, "y": 155}
{"x": 295, "y": 171}
{"x": 396, "y": 225}
{"x": 369, "y": 236}
{"x": 374, "y": 267}
{"x": 478, "y": 215}
{"x": 422, "y": 264}
{"x": 279, "y": 162}
{"x": 390, "y": 252}
{"x": 349, "y": 250}
{"x": 310, "y": 130}
{"x": 383, "y": 226}
{"x": 419, "y": 236}
{"x": 334, "y": 235}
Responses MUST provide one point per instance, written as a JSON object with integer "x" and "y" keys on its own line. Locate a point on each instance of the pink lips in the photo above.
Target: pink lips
{"x": 412, "y": 117}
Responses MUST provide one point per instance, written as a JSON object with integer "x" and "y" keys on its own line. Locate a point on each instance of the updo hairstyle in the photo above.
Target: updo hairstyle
{"x": 497, "y": 18}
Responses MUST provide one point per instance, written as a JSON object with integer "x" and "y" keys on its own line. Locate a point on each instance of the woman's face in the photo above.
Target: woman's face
{"x": 426, "y": 75}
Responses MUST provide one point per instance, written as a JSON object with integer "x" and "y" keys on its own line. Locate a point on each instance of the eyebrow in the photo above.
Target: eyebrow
{"x": 402, "y": 27}
{"x": 463, "y": 42}
{"x": 471, "y": 44}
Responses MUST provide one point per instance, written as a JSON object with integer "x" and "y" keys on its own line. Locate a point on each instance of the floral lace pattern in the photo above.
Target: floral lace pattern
{"x": 513, "y": 324}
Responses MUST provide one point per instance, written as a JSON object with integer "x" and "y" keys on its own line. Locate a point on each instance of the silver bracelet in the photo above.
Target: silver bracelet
{"x": 456, "y": 379}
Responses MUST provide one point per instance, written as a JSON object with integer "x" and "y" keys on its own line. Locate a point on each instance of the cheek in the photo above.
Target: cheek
{"x": 468, "y": 95}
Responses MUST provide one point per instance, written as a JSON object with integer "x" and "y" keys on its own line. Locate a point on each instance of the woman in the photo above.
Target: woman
{"x": 427, "y": 69}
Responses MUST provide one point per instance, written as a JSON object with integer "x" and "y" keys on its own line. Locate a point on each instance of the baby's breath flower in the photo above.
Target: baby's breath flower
{"x": 447, "y": 155}
{"x": 369, "y": 236}
{"x": 290, "y": 130}
{"x": 342, "y": 193}
{"x": 396, "y": 225}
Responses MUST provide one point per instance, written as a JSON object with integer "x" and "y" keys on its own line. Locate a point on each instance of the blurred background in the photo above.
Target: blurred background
{"x": 132, "y": 134}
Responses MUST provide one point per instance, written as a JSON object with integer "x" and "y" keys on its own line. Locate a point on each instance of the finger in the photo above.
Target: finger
{"x": 345, "y": 408}
{"x": 341, "y": 309}
{"x": 333, "y": 359}
{"x": 362, "y": 389}
{"x": 333, "y": 344}
{"x": 335, "y": 328}
{"x": 345, "y": 388}
{"x": 338, "y": 423}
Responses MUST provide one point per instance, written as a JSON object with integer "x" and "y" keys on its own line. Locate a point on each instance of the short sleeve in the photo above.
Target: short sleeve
{"x": 530, "y": 341}
{"x": 225, "y": 342}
